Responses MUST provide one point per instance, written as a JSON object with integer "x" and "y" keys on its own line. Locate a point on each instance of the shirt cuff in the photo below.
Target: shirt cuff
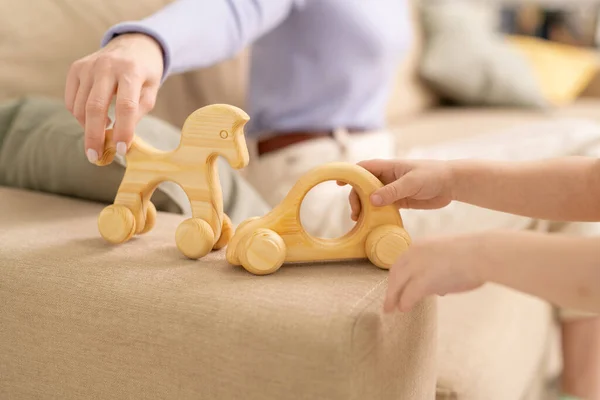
{"x": 140, "y": 27}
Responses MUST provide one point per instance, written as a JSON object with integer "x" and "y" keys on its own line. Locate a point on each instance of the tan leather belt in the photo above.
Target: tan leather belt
{"x": 278, "y": 142}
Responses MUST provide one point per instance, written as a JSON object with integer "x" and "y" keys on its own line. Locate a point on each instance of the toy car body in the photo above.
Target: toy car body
{"x": 262, "y": 245}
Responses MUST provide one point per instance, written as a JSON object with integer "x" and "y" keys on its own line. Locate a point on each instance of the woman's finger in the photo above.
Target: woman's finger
{"x": 96, "y": 115}
{"x": 127, "y": 110}
{"x": 71, "y": 88}
{"x": 148, "y": 99}
{"x": 83, "y": 92}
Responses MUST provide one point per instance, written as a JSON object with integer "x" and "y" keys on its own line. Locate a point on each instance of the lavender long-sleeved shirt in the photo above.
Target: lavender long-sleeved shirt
{"x": 315, "y": 64}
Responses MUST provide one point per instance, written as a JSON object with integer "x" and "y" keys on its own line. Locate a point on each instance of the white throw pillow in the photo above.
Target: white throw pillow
{"x": 467, "y": 61}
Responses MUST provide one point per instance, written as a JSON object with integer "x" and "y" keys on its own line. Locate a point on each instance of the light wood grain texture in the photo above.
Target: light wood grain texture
{"x": 262, "y": 245}
{"x": 207, "y": 133}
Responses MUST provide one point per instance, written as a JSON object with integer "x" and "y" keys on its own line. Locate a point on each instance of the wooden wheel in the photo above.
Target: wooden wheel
{"x": 262, "y": 252}
{"x": 226, "y": 233}
{"x": 195, "y": 238}
{"x": 150, "y": 218}
{"x": 232, "y": 254}
{"x": 116, "y": 223}
{"x": 385, "y": 244}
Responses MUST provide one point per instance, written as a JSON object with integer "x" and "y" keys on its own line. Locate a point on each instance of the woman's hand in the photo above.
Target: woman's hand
{"x": 421, "y": 184}
{"x": 436, "y": 267}
{"x": 130, "y": 66}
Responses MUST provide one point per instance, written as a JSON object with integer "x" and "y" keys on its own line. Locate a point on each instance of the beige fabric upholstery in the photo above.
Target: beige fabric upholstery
{"x": 449, "y": 123}
{"x": 83, "y": 320}
{"x": 492, "y": 338}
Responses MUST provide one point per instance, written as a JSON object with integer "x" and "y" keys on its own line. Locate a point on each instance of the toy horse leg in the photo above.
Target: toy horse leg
{"x": 149, "y": 211}
{"x": 226, "y": 233}
{"x": 118, "y": 222}
{"x": 127, "y": 216}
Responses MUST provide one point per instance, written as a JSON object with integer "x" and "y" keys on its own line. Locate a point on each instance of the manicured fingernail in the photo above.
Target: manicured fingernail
{"x": 121, "y": 148}
{"x": 376, "y": 200}
{"x": 92, "y": 156}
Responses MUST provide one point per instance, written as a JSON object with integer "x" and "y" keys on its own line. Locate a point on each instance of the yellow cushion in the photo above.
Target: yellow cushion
{"x": 562, "y": 71}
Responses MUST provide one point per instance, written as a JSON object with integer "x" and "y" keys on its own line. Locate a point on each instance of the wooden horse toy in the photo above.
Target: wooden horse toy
{"x": 207, "y": 133}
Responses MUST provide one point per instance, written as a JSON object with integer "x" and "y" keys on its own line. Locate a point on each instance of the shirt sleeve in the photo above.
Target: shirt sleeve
{"x": 199, "y": 33}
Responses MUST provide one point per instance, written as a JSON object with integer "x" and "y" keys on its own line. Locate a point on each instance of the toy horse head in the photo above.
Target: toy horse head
{"x": 218, "y": 127}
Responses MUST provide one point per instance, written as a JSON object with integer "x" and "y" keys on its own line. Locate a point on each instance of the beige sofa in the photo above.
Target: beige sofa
{"x": 80, "y": 319}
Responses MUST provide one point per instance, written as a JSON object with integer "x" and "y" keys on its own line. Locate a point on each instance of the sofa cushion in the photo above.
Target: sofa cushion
{"x": 562, "y": 71}
{"x": 81, "y": 319}
{"x": 445, "y": 124}
{"x": 493, "y": 344}
{"x": 466, "y": 61}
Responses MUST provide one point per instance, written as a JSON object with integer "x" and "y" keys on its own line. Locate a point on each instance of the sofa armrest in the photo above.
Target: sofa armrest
{"x": 77, "y": 313}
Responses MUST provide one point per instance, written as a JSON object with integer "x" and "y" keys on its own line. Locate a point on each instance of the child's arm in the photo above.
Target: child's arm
{"x": 562, "y": 270}
{"x": 557, "y": 189}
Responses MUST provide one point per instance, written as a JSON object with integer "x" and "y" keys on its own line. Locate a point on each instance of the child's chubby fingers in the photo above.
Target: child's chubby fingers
{"x": 400, "y": 189}
{"x": 414, "y": 291}
{"x": 399, "y": 276}
{"x": 355, "y": 205}
{"x": 377, "y": 167}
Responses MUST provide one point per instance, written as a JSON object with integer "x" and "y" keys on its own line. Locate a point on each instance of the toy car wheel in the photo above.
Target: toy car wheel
{"x": 385, "y": 244}
{"x": 116, "y": 223}
{"x": 262, "y": 252}
{"x": 195, "y": 238}
{"x": 150, "y": 218}
{"x": 232, "y": 251}
{"x": 246, "y": 222}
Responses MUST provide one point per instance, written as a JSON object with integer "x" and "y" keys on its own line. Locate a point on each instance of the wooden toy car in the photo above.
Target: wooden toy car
{"x": 262, "y": 245}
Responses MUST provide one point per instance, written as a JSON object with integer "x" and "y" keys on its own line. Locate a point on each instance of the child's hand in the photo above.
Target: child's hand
{"x": 421, "y": 184}
{"x": 435, "y": 267}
